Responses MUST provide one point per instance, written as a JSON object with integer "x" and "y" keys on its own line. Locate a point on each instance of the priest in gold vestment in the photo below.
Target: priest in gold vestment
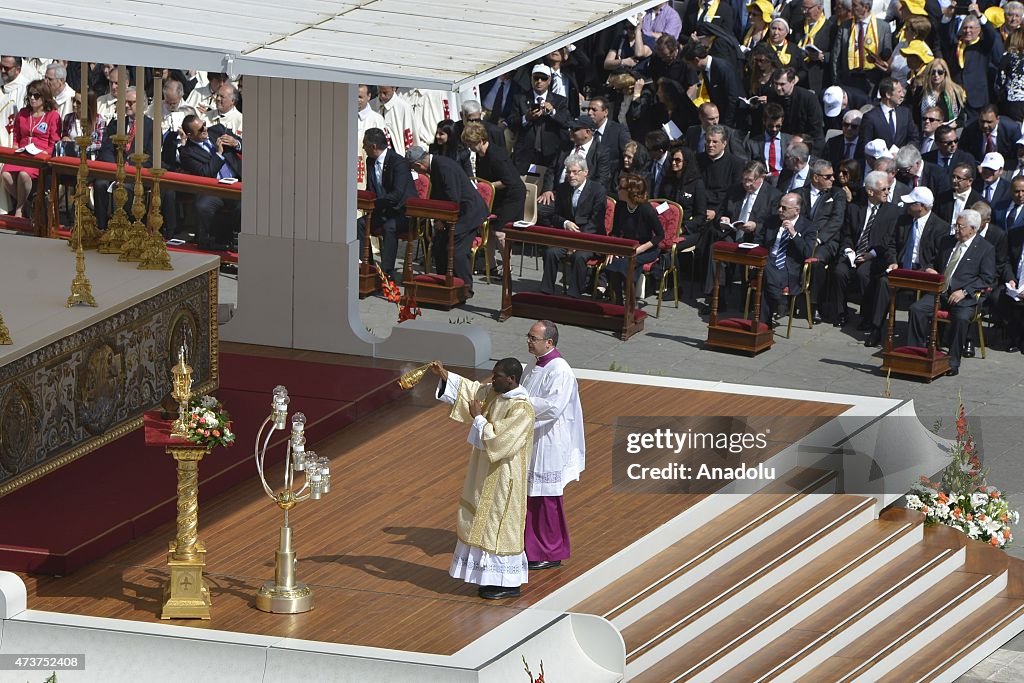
{"x": 492, "y": 512}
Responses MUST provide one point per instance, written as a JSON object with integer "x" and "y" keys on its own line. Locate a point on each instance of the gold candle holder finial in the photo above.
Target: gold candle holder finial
{"x": 119, "y": 225}
{"x": 85, "y": 220}
{"x": 81, "y": 288}
{"x": 131, "y": 249}
{"x": 5, "y": 334}
{"x": 413, "y": 377}
{"x": 154, "y": 254}
{"x": 181, "y": 391}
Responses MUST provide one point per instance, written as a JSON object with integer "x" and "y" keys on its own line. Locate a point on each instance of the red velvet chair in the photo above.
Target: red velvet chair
{"x": 609, "y": 219}
{"x": 486, "y": 190}
{"x": 976, "y": 319}
{"x": 672, "y": 224}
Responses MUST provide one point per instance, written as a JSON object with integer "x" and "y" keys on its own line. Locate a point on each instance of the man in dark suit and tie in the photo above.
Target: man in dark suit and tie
{"x": 826, "y": 209}
{"x": 990, "y": 184}
{"x": 969, "y": 267}
{"x": 449, "y": 182}
{"x": 1011, "y": 216}
{"x": 612, "y": 136}
{"x": 950, "y": 203}
{"x": 770, "y": 147}
{"x": 913, "y": 171}
{"x": 498, "y": 98}
{"x": 948, "y": 152}
{"x": 890, "y": 120}
{"x": 580, "y": 206}
{"x": 540, "y": 119}
{"x": 599, "y": 168}
{"x": 849, "y": 145}
{"x": 717, "y": 81}
{"x": 718, "y": 12}
{"x": 789, "y": 238}
{"x": 865, "y": 247}
{"x": 218, "y": 158}
{"x": 388, "y": 177}
{"x": 991, "y": 132}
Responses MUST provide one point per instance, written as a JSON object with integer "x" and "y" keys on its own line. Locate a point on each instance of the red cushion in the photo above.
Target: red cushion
{"x": 431, "y": 204}
{"x": 943, "y": 314}
{"x": 921, "y": 351}
{"x": 435, "y": 279}
{"x": 916, "y": 275}
{"x": 743, "y": 324}
{"x": 583, "y": 305}
{"x": 603, "y": 239}
{"x": 733, "y": 247}
{"x": 366, "y": 195}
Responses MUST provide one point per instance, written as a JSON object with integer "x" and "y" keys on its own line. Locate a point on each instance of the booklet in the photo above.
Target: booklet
{"x": 30, "y": 148}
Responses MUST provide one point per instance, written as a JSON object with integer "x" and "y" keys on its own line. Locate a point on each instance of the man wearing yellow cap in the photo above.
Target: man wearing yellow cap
{"x": 862, "y": 49}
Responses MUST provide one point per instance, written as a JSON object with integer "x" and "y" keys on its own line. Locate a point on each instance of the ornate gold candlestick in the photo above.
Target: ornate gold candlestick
{"x": 119, "y": 225}
{"x": 5, "y": 334}
{"x": 81, "y": 288}
{"x": 413, "y": 377}
{"x": 181, "y": 391}
{"x": 186, "y": 596}
{"x": 131, "y": 249}
{"x": 154, "y": 254}
{"x": 85, "y": 220}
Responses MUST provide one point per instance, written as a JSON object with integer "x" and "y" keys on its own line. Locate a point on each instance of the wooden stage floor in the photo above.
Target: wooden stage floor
{"x": 377, "y": 548}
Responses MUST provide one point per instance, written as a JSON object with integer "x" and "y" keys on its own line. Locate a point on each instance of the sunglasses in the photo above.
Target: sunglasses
{"x": 34, "y": 94}
{"x": 540, "y": 77}
{"x": 939, "y": 72}
{"x": 930, "y": 119}
{"x": 851, "y": 125}
{"x": 826, "y": 176}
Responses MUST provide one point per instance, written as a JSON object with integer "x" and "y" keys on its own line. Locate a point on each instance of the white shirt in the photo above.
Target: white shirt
{"x": 231, "y": 119}
{"x": 918, "y": 231}
{"x": 963, "y": 246}
{"x": 397, "y": 122}
{"x": 575, "y": 200}
{"x": 65, "y": 100}
{"x": 559, "y": 446}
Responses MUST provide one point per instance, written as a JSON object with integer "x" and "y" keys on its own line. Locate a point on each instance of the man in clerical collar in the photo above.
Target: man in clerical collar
{"x": 63, "y": 94}
{"x": 226, "y": 113}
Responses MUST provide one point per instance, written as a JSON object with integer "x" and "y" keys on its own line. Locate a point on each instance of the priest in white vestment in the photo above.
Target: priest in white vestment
{"x": 559, "y": 447}
{"x": 492, "y": 510}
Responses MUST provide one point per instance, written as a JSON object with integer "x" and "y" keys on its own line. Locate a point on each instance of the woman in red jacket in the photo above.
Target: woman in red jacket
{"x": 37, "y": 124}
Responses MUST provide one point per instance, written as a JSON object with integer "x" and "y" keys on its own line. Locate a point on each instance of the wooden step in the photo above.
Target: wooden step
{"x": 854, "y": 611}
{"x": 716, "y": 543}
{"x": 959, "y": 649}
{"x": 878, "y": 652}
{"x": 662, "y": 626}
{"x": 877, "y": 548}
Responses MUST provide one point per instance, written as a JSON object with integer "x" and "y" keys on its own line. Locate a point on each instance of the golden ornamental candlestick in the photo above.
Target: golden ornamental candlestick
{"x": 119, "y": 224}
{"x": 154, "y": 251}
{"x": 85, "y": 220}
{"x": 131, "y": 249}
{"x": 81, "y": 288}
{"x": 186, "y": 595}
{"x": 5, "y": 334}
{"x": 413, "y": 377}
{"x": 181, "y": 391}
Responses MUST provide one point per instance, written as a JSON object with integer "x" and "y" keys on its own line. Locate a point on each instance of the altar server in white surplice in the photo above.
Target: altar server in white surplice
{"x": 492, "y": 511}
{"x": 559, "y": 447}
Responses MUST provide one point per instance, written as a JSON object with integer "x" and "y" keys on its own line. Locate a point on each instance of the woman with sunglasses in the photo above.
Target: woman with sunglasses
{"x": 936, "y": 88}
{"x": 683, "y": 185}
{"x": 37, "y": 124}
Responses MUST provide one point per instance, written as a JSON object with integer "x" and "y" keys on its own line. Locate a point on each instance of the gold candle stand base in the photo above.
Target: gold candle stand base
{"x": 135, "y": 242}
{"x": 154, "y": 254}
{"x": 186, "y": 595}
{"x": 118, "y": 225}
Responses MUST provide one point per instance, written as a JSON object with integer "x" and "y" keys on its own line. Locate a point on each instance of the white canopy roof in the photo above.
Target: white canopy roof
{"x": 441, "y": 44}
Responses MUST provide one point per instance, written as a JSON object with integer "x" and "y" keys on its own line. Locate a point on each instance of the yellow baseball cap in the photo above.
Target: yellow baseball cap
{"x": 915, "y": 7}
{"x": 995, "y": 16}
{"x": 919, "y": 49}
{"x": 762, "y": 7}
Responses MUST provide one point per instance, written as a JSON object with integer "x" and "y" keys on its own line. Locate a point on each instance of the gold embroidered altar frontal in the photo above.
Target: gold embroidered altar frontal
{"x": 76, "y": 379}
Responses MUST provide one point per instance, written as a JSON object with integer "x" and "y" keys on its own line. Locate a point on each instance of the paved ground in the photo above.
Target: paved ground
{"x": 825, "y": 359}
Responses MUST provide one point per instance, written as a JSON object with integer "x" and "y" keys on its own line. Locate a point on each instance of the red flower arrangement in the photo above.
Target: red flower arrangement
{"x": 391, "y": 292}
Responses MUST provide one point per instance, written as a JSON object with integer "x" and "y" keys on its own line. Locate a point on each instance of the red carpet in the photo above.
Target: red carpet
{"x": 121, "y": 491}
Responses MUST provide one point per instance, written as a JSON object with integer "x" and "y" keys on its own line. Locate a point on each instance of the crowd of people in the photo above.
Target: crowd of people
{"x": 860, "y": 138}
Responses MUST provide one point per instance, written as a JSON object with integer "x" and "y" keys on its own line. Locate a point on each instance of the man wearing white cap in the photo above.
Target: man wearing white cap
{"x": 541, "y": 121}
{"x": 994, "y": 189}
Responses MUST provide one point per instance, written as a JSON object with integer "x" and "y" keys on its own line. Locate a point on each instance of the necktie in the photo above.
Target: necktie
{"x": 849, "y": 151}
{"x": 598, "y": 135}
{"x": 538, "y": 129}
{"x": 892, "y": 124}
{"x": 576, "y": 198}
{"x": 1016, "y": 216}
{"x": 378, "y": 189}
{"x": 225, "y": 171}
{"x": 860, "y": 45}
{"x": 780, "y": 255}
{"x": 557, "y": 86}
{"x": 945, "y": 162}
{"x": 988, "y": 193}
{"x": 579, "y": 151}
{"x": 747, "y": 205}
{"x": 864, "y": 242}
{"x": 908, "y": 255}
{"x": 990, "y": 144}
{"x": 656, "y": 185}
{"x": 926, "y": 145}
{"x": 773, "y": 159}
{"x": 953, "y": 260}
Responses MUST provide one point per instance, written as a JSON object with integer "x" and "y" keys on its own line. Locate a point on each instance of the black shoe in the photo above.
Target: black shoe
{"x": 874, "y": 339}
{"x": 864, "y": 326}
{"x": 1013, "y": 349}
{"x": 775, "y": 321}
{"x": 544, "y": 565}
{"x": 953, "y": 372}
{"x": 498, "y": 592}
{"x": 968, "y": 350}
{"x": 703, "y": 309}
{"x": 840, "y": 321}
{"x": 816, "y": 317}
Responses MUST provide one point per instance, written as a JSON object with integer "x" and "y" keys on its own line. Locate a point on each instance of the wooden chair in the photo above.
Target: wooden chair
{"x": 976, "y": 319}
{"x": 749, "y": 335}
{"x": 805, "y": 290}
{"x": 486, "y": 190}
{"x": 924, "y": 362}
{"x": 597, "y": 264}
{"x": 671, "y": 219}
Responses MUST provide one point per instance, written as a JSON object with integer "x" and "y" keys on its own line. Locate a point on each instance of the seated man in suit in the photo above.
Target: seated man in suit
{"x": 1011, "y": 216}
{"x": 389, "y": 177}
{"x": 913, "y": 171}
{"x": 1011, "y": 309}
{"x": 582, "y": 144}
{"x": 770, "y": 147}
{"x": 950, "y": 203}
{"x": 969, "y": 265}
{"x": 890, "y": 120}
{"x": 448, "y": 182}
{"x": 580, "y": 206}
{"x": 991, "y": 184}
{"x": 789, "y": 239}
{"x": 826, "y": 209}
{"x": 849, "y": 145}
{"x": 864, "y": 249}
{"x": 947, "y": 152}
{"x": 213, "y": 159}
{"x": 708, "y": 115}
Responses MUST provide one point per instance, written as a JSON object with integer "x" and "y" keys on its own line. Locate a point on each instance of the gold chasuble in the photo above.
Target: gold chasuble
{"x": 492, "y": 511}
